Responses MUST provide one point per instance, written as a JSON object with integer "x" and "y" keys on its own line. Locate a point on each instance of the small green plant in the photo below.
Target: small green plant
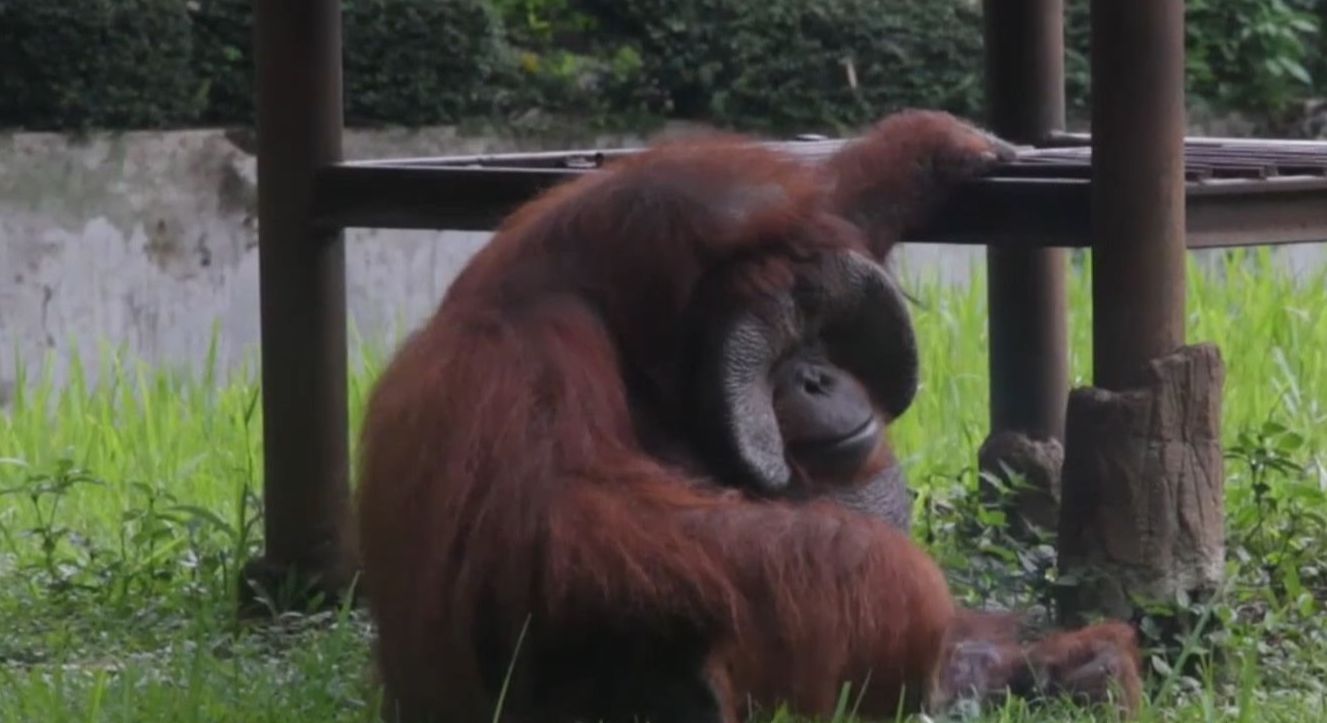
{"x": 161, "y": 545}
{"x": 43, "y": 491}
{"x": 961, "y": 517}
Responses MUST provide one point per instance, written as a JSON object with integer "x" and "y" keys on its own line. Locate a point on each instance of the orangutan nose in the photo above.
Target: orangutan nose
{"x": 816, "y": 381}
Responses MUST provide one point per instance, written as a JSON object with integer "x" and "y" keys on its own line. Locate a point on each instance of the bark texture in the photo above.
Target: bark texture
{"x": 1142, "y": 509}
{"x": 1039, "y": 463}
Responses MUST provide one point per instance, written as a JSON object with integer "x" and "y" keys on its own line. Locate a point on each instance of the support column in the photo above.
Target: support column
{"x": 1142, "y": 513}
{"x": 1029, "y": 362}
{"x": 303, "y": 306}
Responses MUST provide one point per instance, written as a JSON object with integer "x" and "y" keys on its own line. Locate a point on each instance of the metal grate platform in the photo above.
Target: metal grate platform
{"x": 1240, "y": 192}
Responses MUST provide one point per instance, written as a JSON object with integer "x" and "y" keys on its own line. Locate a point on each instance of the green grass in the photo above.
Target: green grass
{"x": 130, "y": 502}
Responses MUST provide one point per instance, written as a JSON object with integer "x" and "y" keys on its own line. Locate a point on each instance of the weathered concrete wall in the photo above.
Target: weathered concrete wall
{"x": 148, "y": 240}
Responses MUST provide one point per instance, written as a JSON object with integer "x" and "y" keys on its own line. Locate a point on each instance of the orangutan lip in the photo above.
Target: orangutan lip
{"x": 864, "y": 433}
{"x": 853, "y": 440}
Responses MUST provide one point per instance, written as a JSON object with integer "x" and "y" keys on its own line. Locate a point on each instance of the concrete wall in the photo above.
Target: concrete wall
{"x": 148, "y": 240}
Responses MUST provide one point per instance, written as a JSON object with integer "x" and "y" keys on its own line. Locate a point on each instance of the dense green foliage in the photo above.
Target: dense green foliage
{"x": 1255, "y": 56}
{"x": 223, "y": 58}
{"x": 126, "y": 506}
{"x": 416, "y": 61}
{"x": 118, "y": 63}
{"x": 761, "y": 64}
{"x": 808, "y": 65}
{"x": 161, "y": 63}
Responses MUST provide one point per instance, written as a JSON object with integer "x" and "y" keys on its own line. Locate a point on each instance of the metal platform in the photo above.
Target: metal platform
{"x": 1240, "y": 192}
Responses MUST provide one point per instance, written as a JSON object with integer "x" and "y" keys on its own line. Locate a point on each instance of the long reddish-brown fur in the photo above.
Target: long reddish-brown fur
{"x": 991, "y": 654}
{"x": 504, "y": 483}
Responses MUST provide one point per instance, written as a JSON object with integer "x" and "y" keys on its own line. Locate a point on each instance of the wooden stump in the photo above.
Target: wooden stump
{"x": 1142, "y": 508}
{"x": 1038, "y": 462}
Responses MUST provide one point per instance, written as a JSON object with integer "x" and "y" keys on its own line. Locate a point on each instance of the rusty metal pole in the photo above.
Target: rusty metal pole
{"x": 1138, "y": 223}
{"x": 303, "y": 306}
{"x": 1029, "y": 361}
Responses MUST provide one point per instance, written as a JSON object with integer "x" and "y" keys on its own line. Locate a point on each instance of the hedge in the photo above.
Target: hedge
{"x": 223, "y": 59}
{"x": 758, "y": 64}
{"x": 163, "y": 63}
{"x": 1262, "y": 57}
{"x": 141, "y": 73}
{"x": 830, "y": 63}
{"x": 413, "y": 62}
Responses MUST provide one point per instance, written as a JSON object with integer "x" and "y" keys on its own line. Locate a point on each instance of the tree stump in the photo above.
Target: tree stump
{"x": 1142, "y": 504}
{"x": 1038, "y": 462}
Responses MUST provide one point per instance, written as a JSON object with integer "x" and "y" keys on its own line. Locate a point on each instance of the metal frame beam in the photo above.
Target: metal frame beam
{"x": 1028, "y": 319}
{"x": 303, "y": 300}
{"x": 1138, "y": 190}
{"x": 995, "y": 212}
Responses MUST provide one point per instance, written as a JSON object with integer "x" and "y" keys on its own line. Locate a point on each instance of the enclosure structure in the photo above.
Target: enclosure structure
{"x": 1136, "y": 192}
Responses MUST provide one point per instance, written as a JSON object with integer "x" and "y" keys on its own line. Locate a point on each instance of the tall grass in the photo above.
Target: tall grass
{"x": 1271, "y": 330}
{"x": 130, "y": 501}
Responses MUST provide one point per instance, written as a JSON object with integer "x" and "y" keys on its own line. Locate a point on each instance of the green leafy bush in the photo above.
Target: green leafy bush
{"x": 1257, "y": 56}
{"x": 793, "y": 64}
{"x": 406, "y": 62}
{"x": 415, "y": 62}
{"x": 79, "y": 63}
{"x": 223, "y": 59}
{"x": 565, "y": 62}
{"x": 754, "y": 64}
{"x": 1250, "y": 54}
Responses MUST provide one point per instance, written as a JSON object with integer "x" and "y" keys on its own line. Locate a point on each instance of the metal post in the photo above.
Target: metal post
{"x": 1143, "y": 499}
{"x": 302, "y": 285}
{"x": 1138, "y": 124}
{"x": 1029, "y": 363}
